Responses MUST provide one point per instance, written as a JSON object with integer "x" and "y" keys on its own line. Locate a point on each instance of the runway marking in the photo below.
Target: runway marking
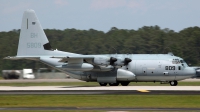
{"x": 144, "y": 91}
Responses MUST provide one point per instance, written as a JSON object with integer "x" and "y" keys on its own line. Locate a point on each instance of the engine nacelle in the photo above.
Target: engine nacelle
{"x": 119, "y": 62}
{"x": 77, "y": 67}
{"x": 122, "y": 61}
{"x": 104, "y": 60}
{"x": 125, "y": 75}
{"x": 101, "y": 60}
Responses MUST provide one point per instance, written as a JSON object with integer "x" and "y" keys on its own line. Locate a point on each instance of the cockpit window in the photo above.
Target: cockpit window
{"x": 182, "y": 61}
{"x": 176, "y": 61}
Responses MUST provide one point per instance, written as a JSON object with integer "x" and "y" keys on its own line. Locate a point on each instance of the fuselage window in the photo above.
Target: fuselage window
{"x": 170, "y": 67}
{"x": 179, "y": 67}
{"x": 166, "y": 67}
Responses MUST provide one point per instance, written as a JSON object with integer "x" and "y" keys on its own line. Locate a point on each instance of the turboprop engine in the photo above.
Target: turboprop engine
{"x": 104, "y": 60}
{"x": 122, "y": 62}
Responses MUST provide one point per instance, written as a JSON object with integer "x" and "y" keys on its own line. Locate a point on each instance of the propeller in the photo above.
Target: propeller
{"x": 112, "y": 60}
{"x": 127, "y": 60}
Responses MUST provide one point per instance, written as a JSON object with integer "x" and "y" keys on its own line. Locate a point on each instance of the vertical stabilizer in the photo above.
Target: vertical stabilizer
{"x": 33, "y": 40}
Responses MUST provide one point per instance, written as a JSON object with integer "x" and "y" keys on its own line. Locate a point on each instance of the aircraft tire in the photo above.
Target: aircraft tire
{"x": 114, "y": 84}
{"x": 125, "y": 83}
{"x": 173, "y": 83}
{"x": 103, "y": 84}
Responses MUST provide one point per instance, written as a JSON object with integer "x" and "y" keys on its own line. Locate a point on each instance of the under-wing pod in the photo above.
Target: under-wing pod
{"x": 125, "y": 75}
{"x": 77, "y": 67}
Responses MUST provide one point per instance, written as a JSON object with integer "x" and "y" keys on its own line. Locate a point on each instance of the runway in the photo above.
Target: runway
{"x": 168, "y": 90}
{"x": 139, "y": 90}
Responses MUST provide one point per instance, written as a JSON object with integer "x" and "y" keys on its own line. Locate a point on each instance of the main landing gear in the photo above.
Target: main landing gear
{"x": 125, "y": 83}
{"x": 114, "y": 84}
{"x": 103, "y": 84}
{"x": 173, "y": 83}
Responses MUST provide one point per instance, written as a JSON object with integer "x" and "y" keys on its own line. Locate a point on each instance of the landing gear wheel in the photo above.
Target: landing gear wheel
{"x": 102, "y": 84}
{"x": 125, "y": 83}
{"x": 173, "y": 83}
{"x": 114, "y": 84}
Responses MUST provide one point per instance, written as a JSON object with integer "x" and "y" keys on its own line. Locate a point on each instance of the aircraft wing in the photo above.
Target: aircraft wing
{"x": 75, "y": 59}
{"x": 84, "y": 59}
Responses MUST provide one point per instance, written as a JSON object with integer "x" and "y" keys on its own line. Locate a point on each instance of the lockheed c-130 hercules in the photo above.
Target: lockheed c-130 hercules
{"x": 112, "y": 69}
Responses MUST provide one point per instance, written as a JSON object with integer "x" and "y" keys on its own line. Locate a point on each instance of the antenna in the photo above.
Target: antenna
{"x": 167, "y": 48}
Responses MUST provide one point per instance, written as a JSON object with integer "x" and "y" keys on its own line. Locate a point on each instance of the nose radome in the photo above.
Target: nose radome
{"x": 191, "y": 71}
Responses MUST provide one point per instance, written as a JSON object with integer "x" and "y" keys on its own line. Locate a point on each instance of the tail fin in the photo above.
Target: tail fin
{"x": 33, "y": 40}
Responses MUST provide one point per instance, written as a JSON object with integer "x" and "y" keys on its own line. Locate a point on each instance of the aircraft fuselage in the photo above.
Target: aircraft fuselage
{"x": 145, "y": 67}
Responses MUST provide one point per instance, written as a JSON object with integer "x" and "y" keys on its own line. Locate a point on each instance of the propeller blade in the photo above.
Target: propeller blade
{"x": 127, "y": 60}
{"x": 112, "y": 60}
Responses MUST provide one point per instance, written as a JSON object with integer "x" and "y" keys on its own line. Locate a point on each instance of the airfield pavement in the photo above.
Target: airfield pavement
{"x": 192, "y": 90}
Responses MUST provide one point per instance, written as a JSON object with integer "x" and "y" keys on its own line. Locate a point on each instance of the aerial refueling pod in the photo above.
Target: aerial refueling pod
{"x": 77, "y": 67}
{"x": 125, "y": 75}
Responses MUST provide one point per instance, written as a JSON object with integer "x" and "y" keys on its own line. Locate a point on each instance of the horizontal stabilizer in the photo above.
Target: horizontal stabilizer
{"x": 18, "y": 58}
{"x": 13, "y": 58}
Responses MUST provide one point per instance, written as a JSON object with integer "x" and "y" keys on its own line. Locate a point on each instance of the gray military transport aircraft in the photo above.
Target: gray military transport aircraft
{"x": 112, "y": 69}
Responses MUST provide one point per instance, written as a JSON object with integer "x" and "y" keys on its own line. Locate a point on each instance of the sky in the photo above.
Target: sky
{"x": 102, "y": 15}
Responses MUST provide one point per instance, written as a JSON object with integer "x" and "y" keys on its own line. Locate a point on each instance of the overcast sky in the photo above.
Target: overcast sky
{"x": 102, "y": 14}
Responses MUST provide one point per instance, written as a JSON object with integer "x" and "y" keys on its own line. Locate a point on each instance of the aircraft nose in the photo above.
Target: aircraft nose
{"x": 191, "y": 71}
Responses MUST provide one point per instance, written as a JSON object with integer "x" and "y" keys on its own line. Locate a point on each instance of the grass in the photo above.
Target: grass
{"x": 91, "y": 84}
{"x": 153, "y": 101}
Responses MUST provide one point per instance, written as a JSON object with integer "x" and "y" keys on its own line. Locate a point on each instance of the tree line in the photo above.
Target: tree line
{"x": 145, "y": 40}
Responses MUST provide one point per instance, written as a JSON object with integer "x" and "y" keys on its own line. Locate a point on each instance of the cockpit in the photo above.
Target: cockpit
{"x": 176, "y": 61}
{"x": 183, "y": 63}
{"x": 179, "y": 61}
